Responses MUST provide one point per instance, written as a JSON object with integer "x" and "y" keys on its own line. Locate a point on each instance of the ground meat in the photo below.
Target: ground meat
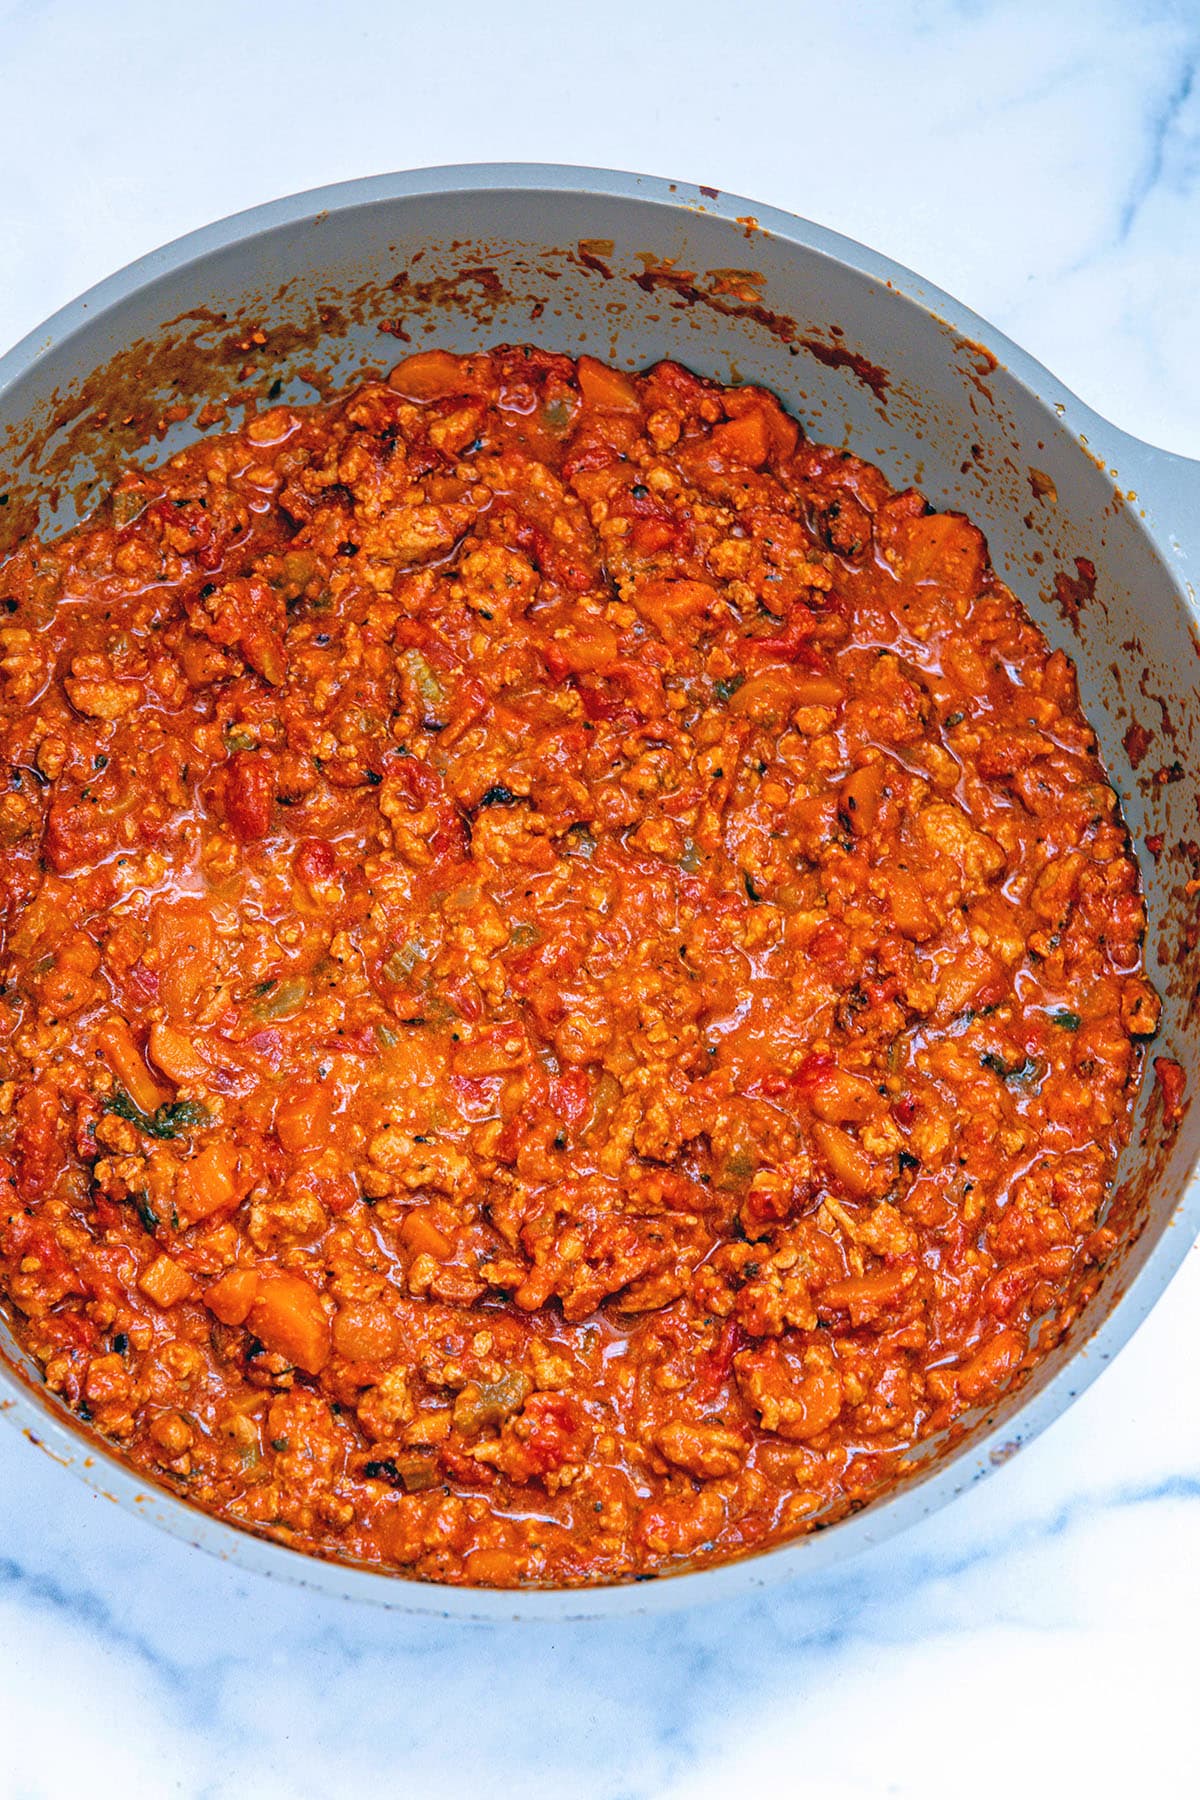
{"x": 571, "y": 978}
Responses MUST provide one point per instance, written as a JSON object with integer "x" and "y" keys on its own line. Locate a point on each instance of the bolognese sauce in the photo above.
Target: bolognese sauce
{"x": 571, "y": 974}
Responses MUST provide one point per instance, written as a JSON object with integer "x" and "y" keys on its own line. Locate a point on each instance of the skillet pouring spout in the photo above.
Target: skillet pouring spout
{"x": 1165, "y": 488}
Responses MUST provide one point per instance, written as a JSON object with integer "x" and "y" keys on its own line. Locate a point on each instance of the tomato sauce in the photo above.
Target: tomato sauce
{"x": 572, "y": 978}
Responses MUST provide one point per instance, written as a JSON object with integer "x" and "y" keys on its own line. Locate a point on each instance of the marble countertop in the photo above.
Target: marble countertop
{"x": 1040, "y": 159}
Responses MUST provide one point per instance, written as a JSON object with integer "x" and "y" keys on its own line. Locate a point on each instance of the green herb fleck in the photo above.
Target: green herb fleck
{"x": 399, "y": 965}
{"x": 499, "y": 795}
{"x": 167, "y": 1121}
{"x": 1023, "y": 1071}
{"x": 283, "y": 997}
{"x": 146, "y": 1213}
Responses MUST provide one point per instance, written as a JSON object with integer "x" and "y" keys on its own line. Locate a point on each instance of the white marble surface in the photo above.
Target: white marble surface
{"x": 1041, "y": 160}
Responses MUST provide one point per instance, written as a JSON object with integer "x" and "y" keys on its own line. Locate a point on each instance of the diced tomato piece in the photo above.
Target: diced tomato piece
{"x": 315, "y": 862}
{"x": 555, "y": 1430}
{"x": 1172, "y": 1084}
{"x": 77, "y": 835}
{"x": 248, "y": 795}
{"x": 714, "y": 1370}
{"x": 571, "y": 1097}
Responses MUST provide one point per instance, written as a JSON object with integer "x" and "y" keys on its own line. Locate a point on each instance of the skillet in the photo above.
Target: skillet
{"x": 1097, "y": 533}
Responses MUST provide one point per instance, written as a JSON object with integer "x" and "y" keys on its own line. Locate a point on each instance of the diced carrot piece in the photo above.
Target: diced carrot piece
{"x": 166, "y": 1282}
{"x": 208, "y": 1183}
{"x": 782, "y": 433}
{"x": 991, "y": 1365}
{"x": 864, "y": 1297}
{"x": 185, "y": 944}
{"x": 860, "y": 795}
{"x": 595, "y": 646}
{"x": 176, "y": 1056}
{"x": 785, "y": 433}
{"x": 232, "y": 1295}
{"x": 767, "y": 698}
{"x": 851, "y": 1166}
{"x": 494, "y": 1568}
{"x": 941, "y": 547}
{"x": 302, "y": 1117}
{"x": 909, "y": 908}
{"x": 123, "y": 1057}
{"x": 820, "y": 1398}
{"x": 843, "y": 1099}
{"x": 429, "y": 375}
{"x": 745, "y": 440}
{"x": 43, "y": 922}
{"x": 288, "y": 1316}
{"x": 607, "y": 388}
{"x": 366, "y": 1331}
{"x": 422, "y": 1236}
{"x": 78, "y": 955}
{"x": 815, "y": 690}
{"x": 671, "y": 604}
